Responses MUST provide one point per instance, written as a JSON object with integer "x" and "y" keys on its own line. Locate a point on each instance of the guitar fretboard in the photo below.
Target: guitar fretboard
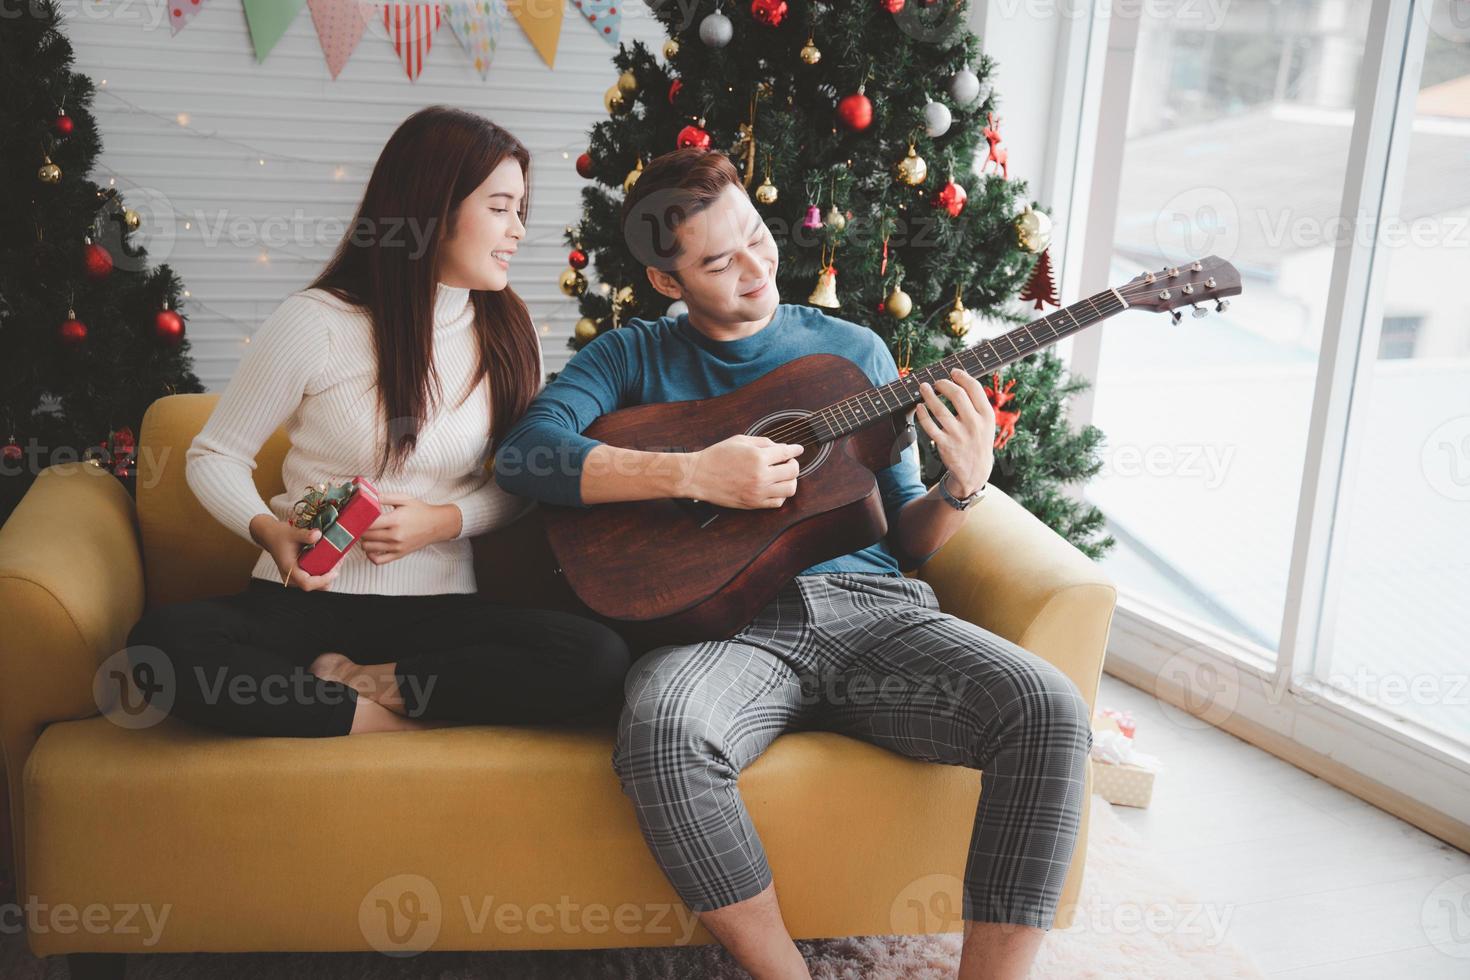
{"x": 863, "y": 409}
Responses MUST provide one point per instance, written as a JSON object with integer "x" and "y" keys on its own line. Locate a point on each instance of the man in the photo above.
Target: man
{"x": 696, "y": 714}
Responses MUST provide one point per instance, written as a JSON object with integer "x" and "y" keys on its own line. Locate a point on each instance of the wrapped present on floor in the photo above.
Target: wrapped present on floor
{"x": 342, "y": 513}
{"x": 1120, "y": 773}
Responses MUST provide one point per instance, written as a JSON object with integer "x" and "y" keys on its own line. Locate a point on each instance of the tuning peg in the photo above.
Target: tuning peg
{"x": 1197, "y": 311}
{"x": 1221, "y": 305}
{"x": 1176, "y": 316}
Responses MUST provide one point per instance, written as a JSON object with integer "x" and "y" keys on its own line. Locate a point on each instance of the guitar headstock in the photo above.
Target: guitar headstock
{"x": 1203, "y": 280}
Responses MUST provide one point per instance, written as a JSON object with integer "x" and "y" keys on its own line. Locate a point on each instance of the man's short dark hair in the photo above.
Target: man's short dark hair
{"x": 674, "y": 187}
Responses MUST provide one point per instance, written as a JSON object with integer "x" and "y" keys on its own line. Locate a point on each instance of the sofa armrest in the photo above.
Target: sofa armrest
{"x": 1010, "y": 573}
{"x": 71, "y": 585}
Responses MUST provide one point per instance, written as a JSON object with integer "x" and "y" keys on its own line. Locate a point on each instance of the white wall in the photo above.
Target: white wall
{"x": 290, "y": 107}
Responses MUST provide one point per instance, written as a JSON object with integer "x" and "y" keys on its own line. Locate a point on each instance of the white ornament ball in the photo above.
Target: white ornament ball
{"x": 716, "y": 30}
{"x": 677, "y": 308}
{"x": 936, "y": 119}
{"x": 964, "y": 85}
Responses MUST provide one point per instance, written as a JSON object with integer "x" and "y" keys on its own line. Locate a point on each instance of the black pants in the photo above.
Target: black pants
{"x": 238, "y": 662}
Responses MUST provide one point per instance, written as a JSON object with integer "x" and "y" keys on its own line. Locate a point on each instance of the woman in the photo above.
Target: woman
{"x": 404, "y": 362}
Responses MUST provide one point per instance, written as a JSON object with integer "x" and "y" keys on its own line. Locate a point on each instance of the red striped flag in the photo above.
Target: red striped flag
{"x": 411, "y": 28}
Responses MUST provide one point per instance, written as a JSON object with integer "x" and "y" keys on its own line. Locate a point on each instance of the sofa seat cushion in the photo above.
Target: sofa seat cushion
{"x": 475, "y": 837}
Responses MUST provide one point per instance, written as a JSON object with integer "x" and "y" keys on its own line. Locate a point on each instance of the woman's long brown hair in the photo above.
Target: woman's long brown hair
{"x": 388, "y": 264}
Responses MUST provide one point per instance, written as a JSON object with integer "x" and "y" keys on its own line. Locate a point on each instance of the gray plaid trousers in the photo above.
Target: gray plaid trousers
{"x": 870, "y": 656}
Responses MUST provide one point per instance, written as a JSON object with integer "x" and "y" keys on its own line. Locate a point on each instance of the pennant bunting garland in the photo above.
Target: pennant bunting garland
{"x": 339, "y": 27}
{"x": 180, "y": 12}
{"x": 604, "y": 17}
{"x": 268, "y": 20}
{"x": 411, "y": 28}
{"x": 477, "y": 25}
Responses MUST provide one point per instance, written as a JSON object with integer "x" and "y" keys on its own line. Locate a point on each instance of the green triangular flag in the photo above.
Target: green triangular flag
{"x": 268, "y": 20}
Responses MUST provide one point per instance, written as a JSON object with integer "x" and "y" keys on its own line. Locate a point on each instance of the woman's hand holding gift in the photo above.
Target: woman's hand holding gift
{"x": 406, "y": 525}
{"x": 284, "y": 541}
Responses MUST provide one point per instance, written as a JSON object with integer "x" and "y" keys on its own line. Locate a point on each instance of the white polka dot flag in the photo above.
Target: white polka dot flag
{"x": 411, "y": 28}
{"x": 477, "y": 25}
{"x": 180, "y": 12}
{"x": 604, "y": 17}
{"x": 339, "y": 26}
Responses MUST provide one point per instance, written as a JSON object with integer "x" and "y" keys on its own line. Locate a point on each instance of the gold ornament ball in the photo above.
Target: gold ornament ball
{"x": 573, "y": 283}
{"x": 898, "y": 304}
{"x": 810, "y": 53}
{"x": 671, "y": 49}
{"x": 959, "y": 319}
{"x": 1033, "y": 230}
{"x": 628, "y": 83}
{"x": 131, "y": 219}
{"x": 912, "y": 170}
{"x": 632, "y": 178}
{"x": 836, "y": 218}
{"x": 623, "y": 297}
{"x": 586, "y": 329}
{"x": 49, "y": 173}
{"x": 766, "y": 193}
{"x": 615, "y": 101}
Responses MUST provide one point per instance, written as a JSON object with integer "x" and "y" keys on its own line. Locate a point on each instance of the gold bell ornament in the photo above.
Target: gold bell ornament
{"x": 958, "y": 318}
{"x": 810, "y": 53}
{"x": 615, "y": 101}
{"x": 825, "y": 293}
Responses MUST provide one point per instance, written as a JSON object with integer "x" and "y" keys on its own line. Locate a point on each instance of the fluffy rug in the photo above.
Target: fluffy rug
{"x": 1133, "y": 922}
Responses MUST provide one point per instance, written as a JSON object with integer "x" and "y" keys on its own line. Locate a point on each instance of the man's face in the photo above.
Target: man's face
{"x": 727, "y": 266}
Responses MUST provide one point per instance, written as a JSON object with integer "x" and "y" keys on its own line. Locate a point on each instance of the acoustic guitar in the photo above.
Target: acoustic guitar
{"x": 680, "y": 571}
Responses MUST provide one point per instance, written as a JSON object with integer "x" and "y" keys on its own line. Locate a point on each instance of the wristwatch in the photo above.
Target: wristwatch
{"x": 960, "y": 503}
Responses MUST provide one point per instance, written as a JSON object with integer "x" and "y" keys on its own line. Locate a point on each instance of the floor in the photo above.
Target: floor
{"x": 1316, "y": 883}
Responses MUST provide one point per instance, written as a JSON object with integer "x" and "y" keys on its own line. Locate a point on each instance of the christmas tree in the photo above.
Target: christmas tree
{"x": 90, "y": 335}
{"x": 867, "y": 134}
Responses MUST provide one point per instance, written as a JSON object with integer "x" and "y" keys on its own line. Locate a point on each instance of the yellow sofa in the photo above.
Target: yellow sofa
{"x": 467, "y": 838}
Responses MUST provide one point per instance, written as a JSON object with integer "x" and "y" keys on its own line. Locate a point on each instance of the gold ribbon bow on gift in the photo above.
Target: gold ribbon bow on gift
{"x": 318, "y": 508}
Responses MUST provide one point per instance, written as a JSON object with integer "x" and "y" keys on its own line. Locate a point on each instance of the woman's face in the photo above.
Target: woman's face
{"x": 487, "y": 230}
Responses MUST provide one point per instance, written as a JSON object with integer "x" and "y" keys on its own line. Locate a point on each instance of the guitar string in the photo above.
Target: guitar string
{"x": 789, "y": 429}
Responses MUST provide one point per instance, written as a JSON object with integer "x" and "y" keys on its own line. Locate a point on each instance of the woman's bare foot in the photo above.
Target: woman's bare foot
{"x": 377, "y": 682}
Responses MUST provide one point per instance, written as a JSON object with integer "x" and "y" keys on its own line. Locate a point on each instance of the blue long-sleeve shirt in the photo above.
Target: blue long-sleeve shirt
{"x": 668, "y": 360}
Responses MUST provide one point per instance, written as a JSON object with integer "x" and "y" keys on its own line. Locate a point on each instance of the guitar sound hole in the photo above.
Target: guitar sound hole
{"x": 791, "y": 425}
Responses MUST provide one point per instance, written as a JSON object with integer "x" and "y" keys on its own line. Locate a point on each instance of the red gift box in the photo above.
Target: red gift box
{"x": 342, "y": 514}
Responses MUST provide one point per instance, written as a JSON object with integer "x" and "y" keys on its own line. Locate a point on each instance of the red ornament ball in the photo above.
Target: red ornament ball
{"x": 892, "y": 6}
{"x": 96, "y": 262}
{"x": 73, "y": 332}
{"x": 768, "y": 12}
{"x": 855, "y": 112}
{"x": 577, "y": 259}
{"x": 951, "y": 197}
{"x": 168, "y": 327}
{"x": 63, "y": 124}
{"x": 674, "y": 88}
{"x": 584, "y": 166}
{"x": 693, "y": 136}
{"x": 13, "y": 450}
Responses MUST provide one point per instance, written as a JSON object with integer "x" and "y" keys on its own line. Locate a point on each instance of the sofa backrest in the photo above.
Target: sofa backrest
{"x": 187, "y": 554}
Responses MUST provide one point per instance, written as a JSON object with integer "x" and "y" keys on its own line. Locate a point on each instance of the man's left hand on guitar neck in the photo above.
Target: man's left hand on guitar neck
{"x": 965, "y": 441}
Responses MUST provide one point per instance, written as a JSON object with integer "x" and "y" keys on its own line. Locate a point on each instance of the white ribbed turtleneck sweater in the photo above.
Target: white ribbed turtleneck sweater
{"x": 312, "y": 367}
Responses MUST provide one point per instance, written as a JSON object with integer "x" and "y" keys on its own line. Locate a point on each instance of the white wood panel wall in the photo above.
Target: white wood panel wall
{"x": 243, "y": 235}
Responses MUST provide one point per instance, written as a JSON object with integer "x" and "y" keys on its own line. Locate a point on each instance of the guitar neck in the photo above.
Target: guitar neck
{"x": 861, "y": 410}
